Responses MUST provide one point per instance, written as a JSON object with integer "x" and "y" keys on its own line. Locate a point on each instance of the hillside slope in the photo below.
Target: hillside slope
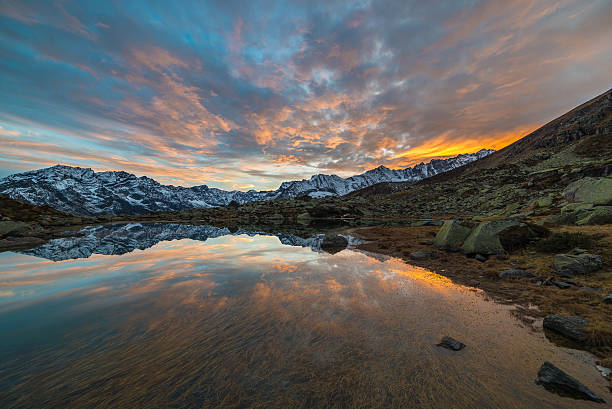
{"x": 577, "y": 144}
{"x": 526, "y": 178}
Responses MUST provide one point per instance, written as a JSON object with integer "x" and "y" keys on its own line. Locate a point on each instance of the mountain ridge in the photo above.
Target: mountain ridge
{"x": 84, "y": 192}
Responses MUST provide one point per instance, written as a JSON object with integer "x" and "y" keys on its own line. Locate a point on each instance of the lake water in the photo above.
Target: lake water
{"x": 195, "y": 316}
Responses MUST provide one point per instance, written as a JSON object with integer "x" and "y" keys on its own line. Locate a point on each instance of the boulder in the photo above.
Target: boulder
{"x": 562, "y": 285}
{"x": 451, "y": 235}
{"x": 570, "y": 327}
{"x": 592, "y": 289}
{"x": 576, "y": 207}
{"x": 563, "y": 218}
{"x": 333, "y": 243}
{"x": 557, "y": 381}
{"x": 515, "y": 273}
{"x": 484, "y": 238}
{"x": 519, "y": 236}
{"x": 544, "y": 201}
{"x": 568, "y": 265}
{"x": 451, "y": 343}
{"x": 481, "y": 258}
{"x": 590, "y": 190}
{"x": 598, "y": 215}
{"x": 9, "y": 227}
{"x": 423, "y": 255}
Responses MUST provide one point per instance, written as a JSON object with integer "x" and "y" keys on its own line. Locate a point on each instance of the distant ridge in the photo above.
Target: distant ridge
{"x": 81, "y": 191}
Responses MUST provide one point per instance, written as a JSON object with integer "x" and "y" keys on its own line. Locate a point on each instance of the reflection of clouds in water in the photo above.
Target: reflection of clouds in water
{"x": 256, "y": 322}
{"x": 230, "y": 263}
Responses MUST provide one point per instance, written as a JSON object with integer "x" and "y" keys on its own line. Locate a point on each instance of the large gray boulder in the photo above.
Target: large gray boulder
{"x": 590, "y": 190}
{"x": 484, "y": 238}
{"x": 557, "y": 381}
{"x": 598, "y": 215}
{"x": 10, "y": 227}
{"x": 568, "y": 265}
{"x": 451, "y": 235}
{"x": 571, "y": 327}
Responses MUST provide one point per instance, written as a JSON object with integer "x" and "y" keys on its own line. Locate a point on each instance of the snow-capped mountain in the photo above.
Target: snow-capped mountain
{"x": 122, "y": 239}
{"x": 81, "y": 191}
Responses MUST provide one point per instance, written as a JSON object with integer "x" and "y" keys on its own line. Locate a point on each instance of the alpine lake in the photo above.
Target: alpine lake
{"x": 168, "y": 315}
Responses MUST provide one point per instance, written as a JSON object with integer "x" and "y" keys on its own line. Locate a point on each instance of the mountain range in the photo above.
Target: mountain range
{"x": 83, "y": 192}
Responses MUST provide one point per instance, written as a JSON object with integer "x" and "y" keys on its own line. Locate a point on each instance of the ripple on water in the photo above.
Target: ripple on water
{"x": 246, "y": 321}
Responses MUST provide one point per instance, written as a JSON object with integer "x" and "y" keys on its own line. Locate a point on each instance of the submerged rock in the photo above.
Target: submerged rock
{"x": 451, "y": 235}
{"x": 515, "y": 273}
{"x": 557, "y": 381}
{"x": 568, "y": 265}
{"x": 570, "y": 327}
{"x": 451, "y": 343}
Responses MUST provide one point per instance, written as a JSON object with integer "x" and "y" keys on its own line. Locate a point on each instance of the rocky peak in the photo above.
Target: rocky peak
{"x": 81, "y": 191}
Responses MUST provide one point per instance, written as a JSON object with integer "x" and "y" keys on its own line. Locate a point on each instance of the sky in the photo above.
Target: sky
{"x": 247, "y": 94}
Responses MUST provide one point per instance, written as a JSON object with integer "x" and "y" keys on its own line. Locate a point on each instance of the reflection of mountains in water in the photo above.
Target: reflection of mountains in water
{"x": 122, "y": 239}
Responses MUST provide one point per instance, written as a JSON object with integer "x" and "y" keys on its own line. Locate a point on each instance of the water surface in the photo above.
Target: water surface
{"x": 126, "y": 318}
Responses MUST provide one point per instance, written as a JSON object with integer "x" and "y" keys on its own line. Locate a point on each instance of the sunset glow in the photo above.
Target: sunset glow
{"x": 239, "y": 95}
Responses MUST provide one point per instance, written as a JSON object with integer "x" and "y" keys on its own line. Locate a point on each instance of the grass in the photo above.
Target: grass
{"x": 564, "y": 241}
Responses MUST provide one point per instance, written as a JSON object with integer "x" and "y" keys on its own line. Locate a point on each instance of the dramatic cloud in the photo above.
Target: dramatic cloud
{"x": 247, "y": 94}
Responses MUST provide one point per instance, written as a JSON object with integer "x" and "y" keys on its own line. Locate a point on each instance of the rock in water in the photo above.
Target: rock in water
{"x": 451, "y": 235}
{"x": 568, "y": 265}
{"x": 451, "y": 343}
{"x": 555, "y": 380}
{"x": 333, "y": 244}
{"x": 571, "y": 327}
{"x": 515, "y": 273}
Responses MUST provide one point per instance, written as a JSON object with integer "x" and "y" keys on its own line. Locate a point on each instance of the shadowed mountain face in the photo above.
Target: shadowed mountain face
{"x": 84, "y": 192}
{"x": 122, "y": 239}
{"x": 588, "y": 128}
{"x": 575, "y": 145}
